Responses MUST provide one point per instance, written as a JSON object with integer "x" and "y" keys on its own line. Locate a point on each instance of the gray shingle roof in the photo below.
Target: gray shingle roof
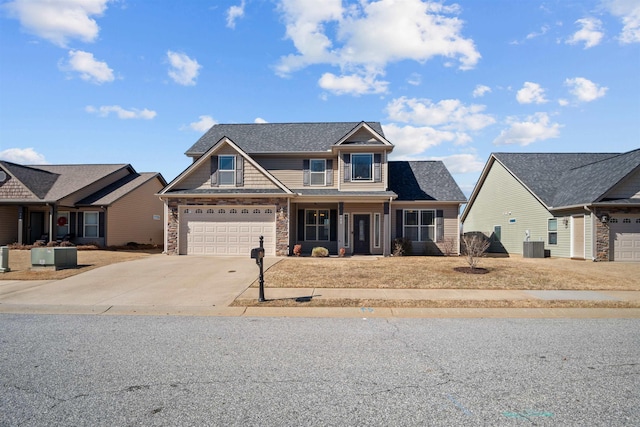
{"x": 568, "y": 179}
{"x": 278, "y": 137}
{"x": 423, "y": 180}
{"x": 111, "y": 193}
{"x": 72, "y": 178}
{"x": 39, "y": 182}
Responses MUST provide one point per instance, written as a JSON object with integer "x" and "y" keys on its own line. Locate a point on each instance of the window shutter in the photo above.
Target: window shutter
{"x": 80, "y": 224}
{"x": 72, "y": 224}
{"x": 300, "y": 225}
{"x": 333, "y": 225}
{"x": 239, "y": 171}
{"x": 347, "y": 167}
{"x": 214, "y": 171}
{"x": 377, "y": 167}
{"x": 399, "y": 223}
{"x": 329, "y": 173}
{"x": 306, "y": 173}
{"x": 101, "y": 225}
{"x": 439, "y": 225}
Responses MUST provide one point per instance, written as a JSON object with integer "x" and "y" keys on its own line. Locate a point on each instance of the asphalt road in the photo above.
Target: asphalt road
{"x": 179, "y": 371}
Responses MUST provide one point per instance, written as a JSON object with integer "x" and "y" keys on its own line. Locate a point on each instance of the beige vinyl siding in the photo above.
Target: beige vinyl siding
{"x": 92, "y": 188}
{"x": 502, "y": 198}
{"x": 450, "y": 214}
{"x": 8, "y": 225}
{"x": 627, "y": 188}
{"x": 289, "y": 170}
{"x": 130, "y": 218}
{"x": 362, "y": 135}
{"x": 370, "y": 209}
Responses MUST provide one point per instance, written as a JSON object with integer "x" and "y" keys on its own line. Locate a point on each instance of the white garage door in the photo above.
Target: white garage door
{"x": 226, "y": 230}
{"x": 625, "y": 233}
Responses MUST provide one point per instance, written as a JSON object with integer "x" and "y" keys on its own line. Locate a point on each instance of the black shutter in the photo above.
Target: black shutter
{"x": 306, "y": 173}
{"x": 329, "y": 173}
{"x": 300, "y": 225}
{"x": 72, "y": 225}
{"x": 239, "y": 171}
{"x": 333, "y": 225}
{"x": 101, "y": 225}
{"x": 377, "y": 167}
{"x": 347, "y": 167}
{"x": 439, "y": 225}
{"x": 214, "y": 171}
{"x": 399, "y": 223}
{"x": 80, "y": 224}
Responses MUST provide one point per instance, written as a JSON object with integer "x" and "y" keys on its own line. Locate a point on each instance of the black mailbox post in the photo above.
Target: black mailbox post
{"x": 258, "y": 255}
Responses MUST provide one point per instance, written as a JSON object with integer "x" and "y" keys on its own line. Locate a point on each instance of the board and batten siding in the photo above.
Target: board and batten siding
{"x": 8, "y": 225}
{"x": 289, "y": 170}
{"x": 131, "y": 218}
{"x": 503, "y": 201}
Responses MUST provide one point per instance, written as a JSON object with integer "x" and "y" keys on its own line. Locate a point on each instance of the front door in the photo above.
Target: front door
{"x": 361, "y": 234}
{"x": 36, "y": 224}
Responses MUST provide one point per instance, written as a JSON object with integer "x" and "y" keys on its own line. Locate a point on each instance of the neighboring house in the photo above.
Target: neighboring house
{"x": 308, "y": 184}
{"x": 581, "y": 205}
{"x": 109, "y": 205}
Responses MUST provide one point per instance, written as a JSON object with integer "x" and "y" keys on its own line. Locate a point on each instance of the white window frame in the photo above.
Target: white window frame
{"x": 347, "y": 231}
{"x": 318, "y": 225}
{"x": 86, "y": 226}
{"x": 354, "y": 178}
{"x": 419, "y": 224}
{"x": 222, "y": 172}
{"x": 550, "y": 231}
{"x": 377, "y": 226}
{"x": 322, "y": 174}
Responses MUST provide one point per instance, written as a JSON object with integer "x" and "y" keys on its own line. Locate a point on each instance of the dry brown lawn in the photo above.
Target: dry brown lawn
{"x": 512, "y": 272}
{"x": 20, "y": 264}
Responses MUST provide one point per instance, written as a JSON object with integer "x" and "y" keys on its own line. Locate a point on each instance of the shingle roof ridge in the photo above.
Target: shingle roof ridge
{"x": 605, "y": 160}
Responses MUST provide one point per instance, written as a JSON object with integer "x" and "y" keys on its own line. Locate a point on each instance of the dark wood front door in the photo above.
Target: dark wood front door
{"x": 361, "y": 234}
{"x": 36, "y": 224}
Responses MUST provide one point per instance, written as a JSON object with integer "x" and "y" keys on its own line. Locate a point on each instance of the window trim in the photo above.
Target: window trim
{"x": 232, "y": 171}
{"x": 85, "y": 225}
{"x": 419, "y": 224}
{"x": 323, "y": 172}
{"x": 318, "y": 225}
{"x": 353, "y": 169}
{"x": 377, "y": 227}
{"x": 551, "y": 232}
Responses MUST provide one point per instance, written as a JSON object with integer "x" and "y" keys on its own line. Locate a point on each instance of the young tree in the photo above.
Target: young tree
{"x": 475, "y": 247}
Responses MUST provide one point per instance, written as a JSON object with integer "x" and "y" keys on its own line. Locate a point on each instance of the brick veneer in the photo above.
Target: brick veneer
{"x": 282, "y": 218}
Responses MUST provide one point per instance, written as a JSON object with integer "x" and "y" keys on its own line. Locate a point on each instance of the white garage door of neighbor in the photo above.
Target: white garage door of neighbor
{"x": 625, "y": 232}
{"x": 226, "y": 230}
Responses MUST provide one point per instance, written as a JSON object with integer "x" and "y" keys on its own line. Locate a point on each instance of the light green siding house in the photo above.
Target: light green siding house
{"x": 581, "y": 205}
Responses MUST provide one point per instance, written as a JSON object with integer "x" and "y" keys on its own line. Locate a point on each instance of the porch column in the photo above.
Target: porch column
{"x": 20, "y": 224}
{"x": 340, "y": 225}
{"x": 386, "y": 235}
{"x": 52, "y": 223}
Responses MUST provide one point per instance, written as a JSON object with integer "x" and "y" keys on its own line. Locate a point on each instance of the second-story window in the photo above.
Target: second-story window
{"x": 362, "y": 167}
{"x": 317, "y": 169}
{"x": 227, "y": 170}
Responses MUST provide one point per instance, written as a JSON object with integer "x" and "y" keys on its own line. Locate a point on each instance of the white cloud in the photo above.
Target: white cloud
{"x": 590, "y": 33}
{"x": 184, "y": 70}
{"x": 23, "y": 156}
{"x": 629, "y": 11}
{"x": 202, "y": 125}
{"x": 59, "y": 20}
{"x": 448, "y": 114}
{"x": 531, "y": 93}
{"x": 233, "y": 13}
{"x": 543, "y": 31}
{"x": 260, "y": 120}
{"x": 352, "y": 84}
{"x": 132, "y": 113}
{"x": 535, "y": 128}
{"x": 480, "y": 91}
{"x": 412, "y": 141}
{"x": 563, "y": 102}
{"x": 584, "y": 89}
{"x": 90, "y": 69}
{"x": 461, "y": 163}
{"x": 363, "y": 37}
{"x": 414, "y": 79}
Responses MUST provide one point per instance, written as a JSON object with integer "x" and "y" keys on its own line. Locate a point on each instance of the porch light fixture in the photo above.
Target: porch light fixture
{"x": 604, "y": 219}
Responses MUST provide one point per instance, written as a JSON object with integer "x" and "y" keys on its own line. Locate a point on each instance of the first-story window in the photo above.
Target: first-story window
{"x": 63, "y": 223}
{"x": 419, "y": 225}
{"x": 552, "y": 229}
{"x": 227, "y": 170}
{"x": 376, "y": 230}
{"x": 316, "y": 224}
{"x": 91, "y": 220}
{"x": 347, "y": 230}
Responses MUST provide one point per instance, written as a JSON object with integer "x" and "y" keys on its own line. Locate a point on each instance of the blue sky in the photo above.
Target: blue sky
{"x": 133, "y": 81}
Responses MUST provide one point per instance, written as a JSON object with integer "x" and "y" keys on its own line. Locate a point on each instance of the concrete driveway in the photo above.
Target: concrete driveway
{"x": 157, "y": 281}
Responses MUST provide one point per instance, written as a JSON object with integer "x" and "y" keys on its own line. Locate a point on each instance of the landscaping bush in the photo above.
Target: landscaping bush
{"x": 320, "y": 252}
{"x": 402, "y": 246}
{"x": 474, "y": 246}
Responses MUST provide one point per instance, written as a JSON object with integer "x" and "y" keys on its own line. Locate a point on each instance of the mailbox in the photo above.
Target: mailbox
{"x": 257, "y": 253}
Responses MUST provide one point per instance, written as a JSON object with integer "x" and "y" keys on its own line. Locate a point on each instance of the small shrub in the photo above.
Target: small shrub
{"x": 448, "y": 246}
{"x": 402, "y": 246}
{"x": 475, "y": 247}
{"x": 320, "y": 252}
{"x": 39, "y": 243}
{"x": 297, "y": 250}
{"x": 66, "y": 244}
{"x": 52, "y": 244}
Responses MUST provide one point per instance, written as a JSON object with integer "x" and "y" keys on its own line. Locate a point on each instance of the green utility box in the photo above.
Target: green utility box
{"x": 54, "y": 258}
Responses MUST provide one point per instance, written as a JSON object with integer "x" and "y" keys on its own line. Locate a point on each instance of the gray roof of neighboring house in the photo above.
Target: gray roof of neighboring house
{"x": 278, "y": 137}
{"x": 423, "y": 180}
{"x": 120, "y": 188}
{"x": 39, "y": 182}
{"x": 569, "y": 179}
